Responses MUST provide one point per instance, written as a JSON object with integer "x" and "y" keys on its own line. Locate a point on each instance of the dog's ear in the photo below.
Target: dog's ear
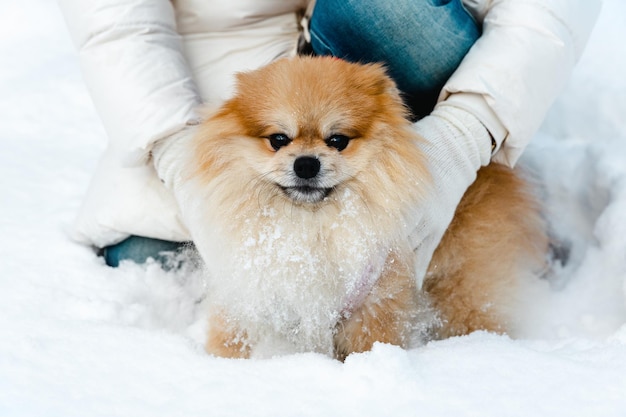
{"x": 244, "y": 81}
{"x": 382, "y": 83}
{"x": 249, "y": 98}
{"x": 379, "y": 84}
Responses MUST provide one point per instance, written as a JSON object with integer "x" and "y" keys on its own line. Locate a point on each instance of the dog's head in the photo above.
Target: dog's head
{"x": 305, "y": 127}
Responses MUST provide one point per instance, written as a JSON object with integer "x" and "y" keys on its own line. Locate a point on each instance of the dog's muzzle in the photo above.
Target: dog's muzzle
{"x": 306, "y": 167}
{"x": 307, "y": 187}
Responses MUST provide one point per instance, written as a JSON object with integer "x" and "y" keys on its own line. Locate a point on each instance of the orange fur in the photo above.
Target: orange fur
{"x": 497, "y": 235}
{"x": 385, "y": 316}
{"x": 225, "y": 339}
{"x": 286, "y": 267}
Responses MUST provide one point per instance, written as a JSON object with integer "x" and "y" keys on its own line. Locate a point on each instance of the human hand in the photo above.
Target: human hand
{"x": 169, "y": 156}
{"x": 456, "y": 145}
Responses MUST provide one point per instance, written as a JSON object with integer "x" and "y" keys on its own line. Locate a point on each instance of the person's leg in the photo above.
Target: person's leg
{"x": 138, "y": 249}
{"x": 421, "y": 42}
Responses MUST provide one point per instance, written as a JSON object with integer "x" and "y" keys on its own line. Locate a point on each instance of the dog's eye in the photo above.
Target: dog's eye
{"x": 338, "y": 142}
{"x": 278, "y": 140}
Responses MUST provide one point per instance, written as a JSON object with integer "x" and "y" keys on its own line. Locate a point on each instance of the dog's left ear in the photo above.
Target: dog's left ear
{"x": 383, "y": 86}
{"x": 391, "y": 89}
{"x": 380, "y": 81}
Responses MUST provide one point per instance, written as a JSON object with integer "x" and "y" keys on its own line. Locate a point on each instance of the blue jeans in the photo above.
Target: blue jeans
{"x": 421, "y": 42}
{"x": 139, "y": 249}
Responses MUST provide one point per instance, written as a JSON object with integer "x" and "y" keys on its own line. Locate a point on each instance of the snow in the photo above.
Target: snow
{"x": 81, "y": 339}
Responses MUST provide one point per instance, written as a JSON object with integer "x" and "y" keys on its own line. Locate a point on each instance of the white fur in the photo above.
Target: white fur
{"x": 285, "y": 271}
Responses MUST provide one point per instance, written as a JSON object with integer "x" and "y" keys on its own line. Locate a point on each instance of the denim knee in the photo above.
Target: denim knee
{"x": 139, "y": 249}
{"x": 421, "y": 42}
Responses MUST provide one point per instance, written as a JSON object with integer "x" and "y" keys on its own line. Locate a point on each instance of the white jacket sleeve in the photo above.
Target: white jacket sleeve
{"x": 132, "y": 62}
{"x": 516, "y": 69}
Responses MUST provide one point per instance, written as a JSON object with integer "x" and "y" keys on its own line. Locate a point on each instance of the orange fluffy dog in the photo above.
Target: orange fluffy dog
{"x": 306, "y": 181}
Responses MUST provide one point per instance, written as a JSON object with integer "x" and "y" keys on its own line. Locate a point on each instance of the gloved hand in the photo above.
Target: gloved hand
{"x": 456, "y": 145}
{"x": 169, "y": 156}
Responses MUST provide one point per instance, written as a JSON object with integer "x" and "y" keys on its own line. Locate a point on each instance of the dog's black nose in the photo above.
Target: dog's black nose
{"x": 306, "y": 167}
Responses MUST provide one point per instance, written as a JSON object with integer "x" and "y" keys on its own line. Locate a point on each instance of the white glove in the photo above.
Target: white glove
{"x": 169, "y": 156}
{"x": 456, "y": 145}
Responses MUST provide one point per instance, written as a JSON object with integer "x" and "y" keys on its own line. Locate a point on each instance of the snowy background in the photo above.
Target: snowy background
{"x": 80, "y": 339}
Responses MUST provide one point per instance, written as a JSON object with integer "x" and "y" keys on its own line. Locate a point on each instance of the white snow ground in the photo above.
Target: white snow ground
{"x": 80, "y": 339}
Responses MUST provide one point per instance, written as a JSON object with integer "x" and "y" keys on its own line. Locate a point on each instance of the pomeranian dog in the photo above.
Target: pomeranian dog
{"x": 304, "y": 186}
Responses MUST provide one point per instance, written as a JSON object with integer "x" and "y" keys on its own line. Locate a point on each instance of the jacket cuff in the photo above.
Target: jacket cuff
{"x": 477, "y": 105}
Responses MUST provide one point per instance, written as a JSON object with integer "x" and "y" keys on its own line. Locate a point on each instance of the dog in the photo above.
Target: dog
{"x": 304, "y": 186}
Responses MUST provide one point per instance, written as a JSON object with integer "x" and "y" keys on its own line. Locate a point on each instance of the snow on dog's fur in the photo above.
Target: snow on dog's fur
{"x": 305, "y": 186}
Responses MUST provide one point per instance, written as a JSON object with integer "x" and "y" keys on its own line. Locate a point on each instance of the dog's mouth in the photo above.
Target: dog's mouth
{"x": 306, "y": 193}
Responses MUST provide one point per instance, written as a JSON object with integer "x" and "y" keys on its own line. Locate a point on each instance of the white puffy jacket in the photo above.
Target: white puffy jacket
{"x": 148, "y": 64}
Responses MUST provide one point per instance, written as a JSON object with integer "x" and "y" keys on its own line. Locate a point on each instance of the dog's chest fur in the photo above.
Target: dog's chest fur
{"x": 293, "y": 272}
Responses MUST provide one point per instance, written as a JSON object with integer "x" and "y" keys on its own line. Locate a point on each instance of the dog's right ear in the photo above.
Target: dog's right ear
{"x": 254, "y": 83}
{"x": 251, "y": 90}
{"x": 243, "y": 82}
{"x": 242, "y": 79}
